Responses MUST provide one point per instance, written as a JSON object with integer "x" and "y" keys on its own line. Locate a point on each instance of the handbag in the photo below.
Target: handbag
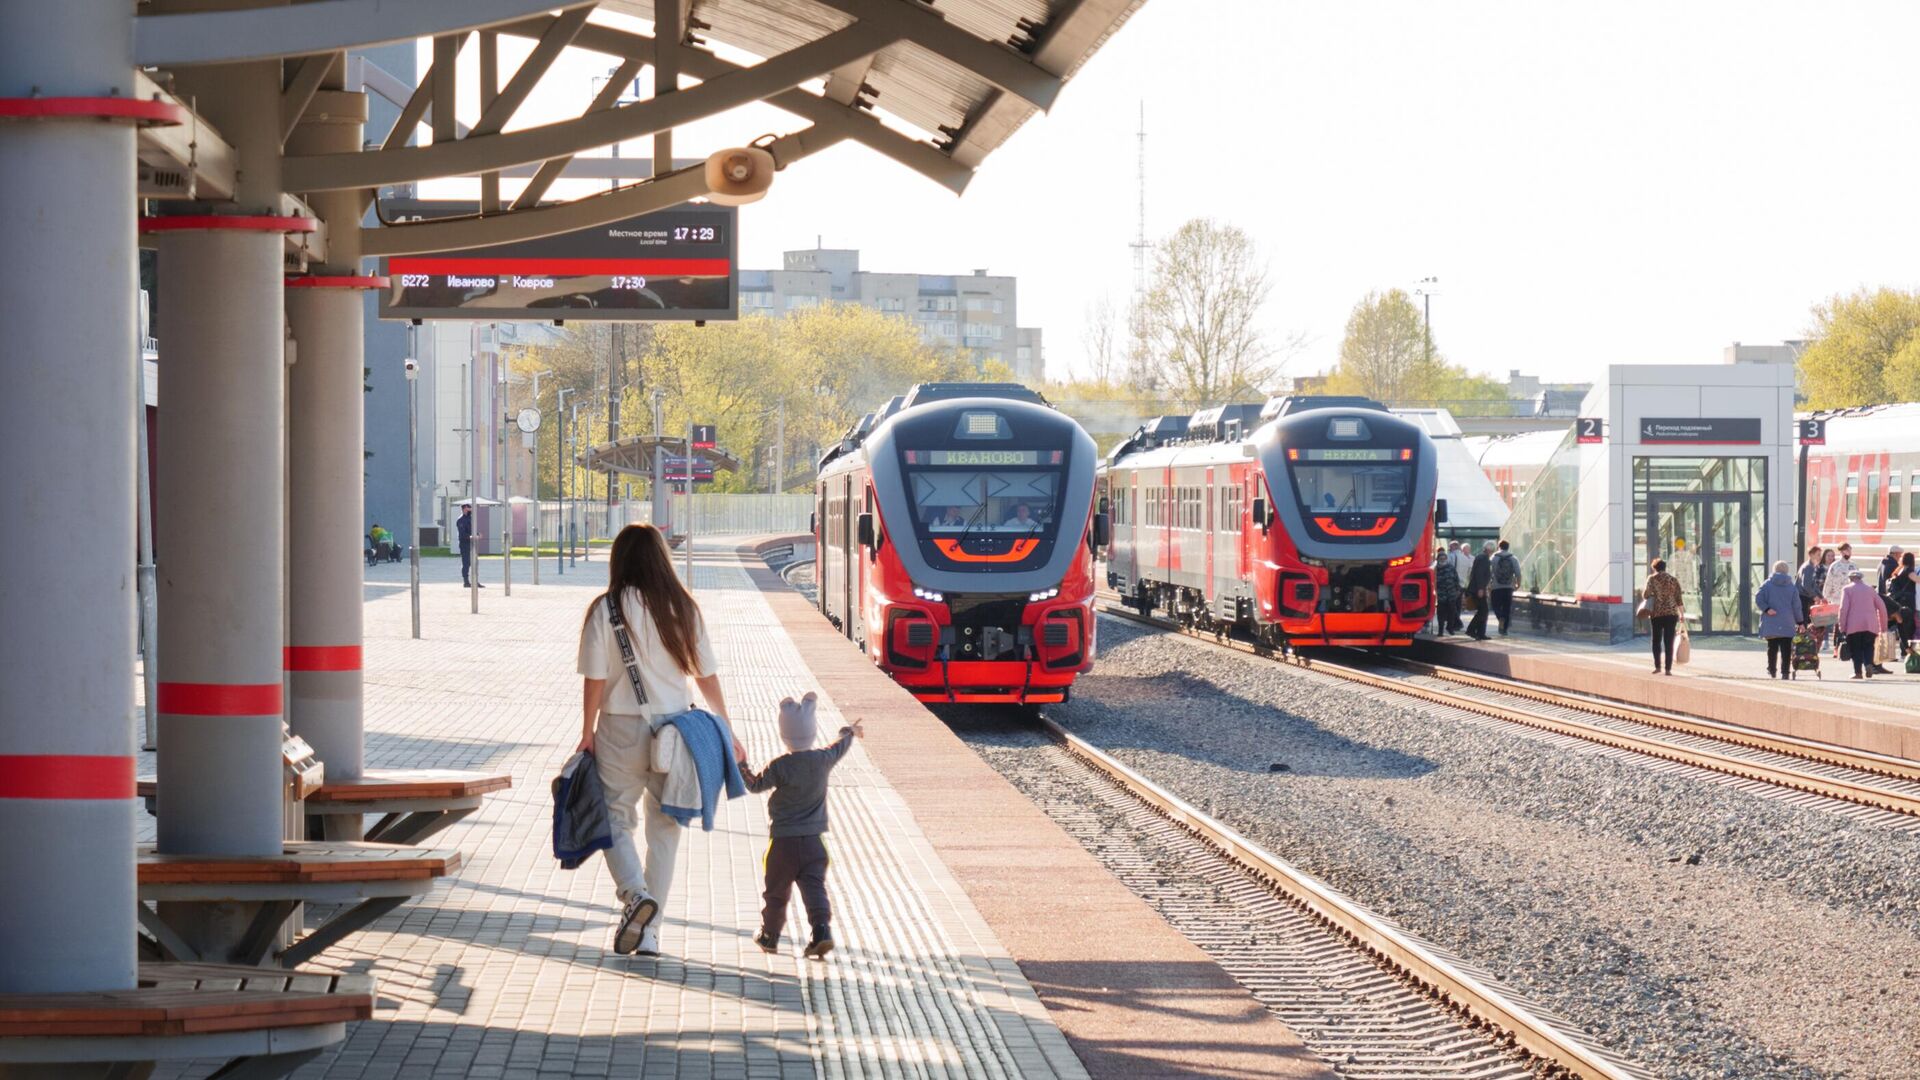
{"x": 1682, "y": 649}
{"x": 1886, "y": 646}
{"x": 1646, "y": 606}
{"x": 1846, "y": 650}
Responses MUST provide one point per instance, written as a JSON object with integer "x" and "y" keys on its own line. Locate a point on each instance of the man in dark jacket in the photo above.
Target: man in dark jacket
{"x": 1889, "y": 566}
{"x": 1477, "y": 580}
{"x": 464, "y": 527}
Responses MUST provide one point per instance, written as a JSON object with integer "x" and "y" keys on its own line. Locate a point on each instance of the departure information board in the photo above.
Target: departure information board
{"x": 675, "y": 264}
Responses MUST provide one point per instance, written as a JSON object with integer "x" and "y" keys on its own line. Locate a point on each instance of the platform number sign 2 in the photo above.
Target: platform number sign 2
{"x": 1590, "y": 429}
{"x": 703, "y": 437}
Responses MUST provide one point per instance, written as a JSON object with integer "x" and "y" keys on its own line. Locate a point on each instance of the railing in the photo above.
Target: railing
{"x": 713, "y": 515}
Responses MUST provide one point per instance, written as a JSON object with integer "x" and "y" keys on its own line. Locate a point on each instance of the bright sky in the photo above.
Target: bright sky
{"x": 1592, "y": 183}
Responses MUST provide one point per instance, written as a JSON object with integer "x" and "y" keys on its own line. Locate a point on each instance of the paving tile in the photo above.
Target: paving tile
{"x": 506, "y": 971}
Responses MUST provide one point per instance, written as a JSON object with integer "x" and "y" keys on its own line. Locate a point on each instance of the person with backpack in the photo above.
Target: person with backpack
{"x": 1477, "y": 581}
{"x": 641, "y": 642}
{"x": 1505, "y": 578}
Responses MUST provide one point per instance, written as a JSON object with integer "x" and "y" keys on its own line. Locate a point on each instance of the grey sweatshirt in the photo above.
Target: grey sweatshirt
{"x": 798, "y": 780}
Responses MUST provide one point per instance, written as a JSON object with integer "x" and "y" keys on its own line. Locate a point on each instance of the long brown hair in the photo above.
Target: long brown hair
{"x": 640, "y": 561}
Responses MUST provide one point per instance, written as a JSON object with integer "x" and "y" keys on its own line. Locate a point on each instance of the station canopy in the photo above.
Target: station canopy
{"x": 934, "y": 85}
{"x": 635, "y": 454}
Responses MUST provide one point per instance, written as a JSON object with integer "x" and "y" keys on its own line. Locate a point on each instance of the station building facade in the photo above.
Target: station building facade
{"x": 1691, "y": 463}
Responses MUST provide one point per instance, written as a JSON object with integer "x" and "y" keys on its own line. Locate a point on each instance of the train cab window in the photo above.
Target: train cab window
{"x": 981, "y": 509}
{"x": 1370, "y": 480}
{"x": 1853, "y": 498}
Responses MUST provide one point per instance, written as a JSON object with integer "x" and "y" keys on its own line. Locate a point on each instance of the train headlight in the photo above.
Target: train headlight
{"x": 1044, "y": 594}
{"x": 929, "y": 594}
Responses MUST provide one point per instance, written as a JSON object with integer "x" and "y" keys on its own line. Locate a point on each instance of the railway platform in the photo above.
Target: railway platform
{"x": 1725, "y": 680}
{"x": 976, "y": 939}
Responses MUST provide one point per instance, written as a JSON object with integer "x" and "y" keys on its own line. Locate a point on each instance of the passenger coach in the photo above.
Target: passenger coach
{"x": 956, "y": 534}
{"x": 1310, "y": 520}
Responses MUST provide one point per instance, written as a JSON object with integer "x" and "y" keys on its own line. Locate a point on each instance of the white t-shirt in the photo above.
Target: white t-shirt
{"x": 666, "y": 684}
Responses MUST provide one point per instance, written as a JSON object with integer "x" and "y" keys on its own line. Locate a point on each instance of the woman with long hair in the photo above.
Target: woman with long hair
{"x": 667, "y": 638}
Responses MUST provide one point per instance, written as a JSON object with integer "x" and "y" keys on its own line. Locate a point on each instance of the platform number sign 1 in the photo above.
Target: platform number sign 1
{"x": 703, "y": 437}
{"x": 1813, "y": 431}
{"x": 1590, "y": 429}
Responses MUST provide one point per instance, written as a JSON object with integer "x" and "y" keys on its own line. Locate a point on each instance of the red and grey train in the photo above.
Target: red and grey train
{"x": 1309, "y": 521}
{"x": 956, "y": 532}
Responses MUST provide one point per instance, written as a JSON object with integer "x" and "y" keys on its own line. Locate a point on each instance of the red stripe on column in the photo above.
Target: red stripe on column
{"x": 323, "y": 658}
{"x": 65, "y": 776}
{"x": 220, "y": 699}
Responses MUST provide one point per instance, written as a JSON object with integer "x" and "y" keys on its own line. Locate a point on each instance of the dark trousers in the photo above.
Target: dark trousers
{"x": 1450, "y": 616}
{"x": 1477, "y": 626}
{"x": 792, "y": 860}
{"x": 1860, "y": 651}
{"x": 1665, "y": 629}
{"x": 1780, "y": 649}
{"x": 466, "y": 562}
{"x": 1502, "y": 606}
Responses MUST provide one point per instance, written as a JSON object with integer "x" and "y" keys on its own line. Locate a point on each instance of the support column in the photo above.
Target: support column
{"x": 326, "y": 495}
{"x": 220, "y": 478}
{"x": 69, "y": 363}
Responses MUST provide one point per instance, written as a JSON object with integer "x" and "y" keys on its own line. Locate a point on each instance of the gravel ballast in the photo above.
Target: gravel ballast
{"x": 1696, "y": 929}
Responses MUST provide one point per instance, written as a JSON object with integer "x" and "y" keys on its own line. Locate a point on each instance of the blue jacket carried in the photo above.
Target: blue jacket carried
{"x": 1782, "y": 594}
{"x": 695, "y": 750}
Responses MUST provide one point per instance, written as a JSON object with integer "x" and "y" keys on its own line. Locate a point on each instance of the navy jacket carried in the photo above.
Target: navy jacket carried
{"x": 580, "y": 825}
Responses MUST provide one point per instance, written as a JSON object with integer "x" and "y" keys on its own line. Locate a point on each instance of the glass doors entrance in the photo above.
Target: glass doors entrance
{"x": 1706, "y": 540}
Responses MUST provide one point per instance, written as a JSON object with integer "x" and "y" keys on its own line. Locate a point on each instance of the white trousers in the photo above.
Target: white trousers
{"x": 623, "y": 747}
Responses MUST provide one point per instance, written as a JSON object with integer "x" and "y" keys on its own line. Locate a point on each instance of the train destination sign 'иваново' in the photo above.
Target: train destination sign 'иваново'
{"x": 674, "y": 264}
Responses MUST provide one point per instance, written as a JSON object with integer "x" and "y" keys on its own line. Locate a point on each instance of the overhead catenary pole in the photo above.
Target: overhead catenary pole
{"x": 502, "y": 487}
{"x": 661, "y": 514}
{"x": 474, "y": 369}
{"x": 67, "y": 225}
{"x": 560, "y": 478}
{"x": 689, "y": 525}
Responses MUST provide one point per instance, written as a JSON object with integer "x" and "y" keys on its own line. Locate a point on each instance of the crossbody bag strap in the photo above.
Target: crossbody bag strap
{"x": 626, "y": 648}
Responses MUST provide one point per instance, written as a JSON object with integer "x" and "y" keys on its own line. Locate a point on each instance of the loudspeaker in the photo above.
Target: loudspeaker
{"x": 739, "y": 176}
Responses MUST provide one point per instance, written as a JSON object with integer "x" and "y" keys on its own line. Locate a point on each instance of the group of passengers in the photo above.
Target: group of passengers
{"x": 1022, "y": 519}
{"x": 1872, "y": 625}
{"x": 1482, "y": 583}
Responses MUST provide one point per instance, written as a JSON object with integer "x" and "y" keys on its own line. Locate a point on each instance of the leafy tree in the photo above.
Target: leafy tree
{"x": 1198, "y": 321}
{"x": 1865, "y": 350}
{"x": 1386, "y": 356}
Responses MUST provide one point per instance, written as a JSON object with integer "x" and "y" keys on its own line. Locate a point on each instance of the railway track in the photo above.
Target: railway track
{"x": 1387, "y": 1004}
{"x": 1872, "y": 785}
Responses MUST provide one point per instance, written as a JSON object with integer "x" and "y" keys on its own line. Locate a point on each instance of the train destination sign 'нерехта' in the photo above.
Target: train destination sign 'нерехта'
{"x": 675, "y": 264}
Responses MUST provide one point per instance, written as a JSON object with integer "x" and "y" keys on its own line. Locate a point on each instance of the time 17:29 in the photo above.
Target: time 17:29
{"x": 695, "y": 234}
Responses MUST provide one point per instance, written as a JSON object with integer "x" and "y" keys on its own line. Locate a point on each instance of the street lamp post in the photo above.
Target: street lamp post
{"x": 1424, "y": 289}
{"x": 534, "y": 472}
{"x": 560, "y": 478}
{"x": 412, "y": 365}
{"x": 573, "y": 529}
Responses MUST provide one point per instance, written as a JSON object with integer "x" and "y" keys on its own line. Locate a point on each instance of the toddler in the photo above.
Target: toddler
{"x": 798, "y": 814}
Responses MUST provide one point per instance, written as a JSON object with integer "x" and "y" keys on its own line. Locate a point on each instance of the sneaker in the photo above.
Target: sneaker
{"x": 635, "y": 918}
{"x": 649, "y": 941}
{"x": 821, "y": 945}
{"x": 768, "y": 943}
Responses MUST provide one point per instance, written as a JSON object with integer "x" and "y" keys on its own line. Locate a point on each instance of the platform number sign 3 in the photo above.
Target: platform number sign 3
{"x": 1813, "y": 431}
{"x": 1591, "y": 429}
{"x": 703, "y": 437}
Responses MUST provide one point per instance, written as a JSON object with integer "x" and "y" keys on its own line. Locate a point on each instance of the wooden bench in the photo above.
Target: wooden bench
{"x": 368, "y": 879}
{"x": 264, "y": 1023}
{"x": 414, "y": 803}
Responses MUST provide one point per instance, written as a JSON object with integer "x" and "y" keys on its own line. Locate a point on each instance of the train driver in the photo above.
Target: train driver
{"x": 1022, "y": 519}
{"x": 953, "y": 518}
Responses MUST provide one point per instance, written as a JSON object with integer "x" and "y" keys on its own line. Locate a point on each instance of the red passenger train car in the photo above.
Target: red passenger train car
{"x": 1309, "y": 521}
{"x": 956, "y": 535}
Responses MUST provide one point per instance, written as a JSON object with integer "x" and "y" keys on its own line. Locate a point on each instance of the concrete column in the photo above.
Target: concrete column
{"x": 220, "y": 480}
{"x": 326, "y": 464}
{"x": 70, "y": 368}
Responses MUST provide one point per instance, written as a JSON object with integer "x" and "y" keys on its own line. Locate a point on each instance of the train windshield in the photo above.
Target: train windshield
{"x": 1343, "y": 487}
{"x": 967, "y": 514}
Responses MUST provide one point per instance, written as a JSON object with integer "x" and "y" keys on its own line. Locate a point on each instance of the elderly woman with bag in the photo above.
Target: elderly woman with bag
{"x": 1863, "y": 617}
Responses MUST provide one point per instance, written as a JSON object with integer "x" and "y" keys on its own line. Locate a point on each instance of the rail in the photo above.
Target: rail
{"x": 1443, "y": 975}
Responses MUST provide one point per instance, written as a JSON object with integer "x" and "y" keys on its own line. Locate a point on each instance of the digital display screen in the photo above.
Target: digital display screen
{"x": 983, "y": 457}
{"x": 675, "y": 264}
{"x": 1351, "y": 453}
